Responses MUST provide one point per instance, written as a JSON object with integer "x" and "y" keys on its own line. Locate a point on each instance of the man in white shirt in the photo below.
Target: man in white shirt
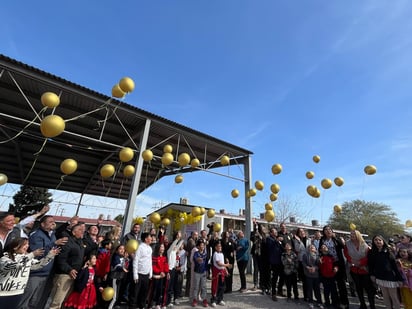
{"x": 142, "y": 273}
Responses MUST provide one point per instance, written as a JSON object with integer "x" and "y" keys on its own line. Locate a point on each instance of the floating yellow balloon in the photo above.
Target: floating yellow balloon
{"x": 216, "y": 227}
{"x": 316, "y": 159}
{"x": 273, "y": 197}
{"x": 269, "y": 215}
{"x": 147, "y": 155}
{"x": 126, "y": 84}
{"x": 259, "y": 185}
{"x": 235, "y": 193}
{"x": 202, "y": 210}
{"x": 3, "y": 179}
{"x": 337, "y": 209}
{"x": 275, "y": 188}
{"x": 352, "y": 226}
{"x": 196, "y": 211}
{"x": 370, "y": 169}
{"x": 276, "y": 168}
{"x": 210, "y": 213}
{"x": 178, "y": 179}
{"x": 68, "y": 166}
{"x": 128, "y": 170}
{"x": 165, "y": 221}
{"x": 310, "y": 175}
{"x": 317, "y": 193}
{"x": 183, "y": 159}
{"x": 311, "y": 189}
{"x": 224, "y": 160}
{"x": 117, "y": 92}
{"x": 408, "y": 223}
{"x": 131, "y": 246}
{"x": 195, "y": 162}
{"x": 252, "y": 192}
{"x": 50, "y": 99}
{"x": 326, "y": 183}
{"x": 138, "y": 220}
{"x": 52, "y": 126}
{"x": 108, "y": 293}
{"x": 155, "y": 218}
{"x": 167, "y": 158}
{"x": 339, "y": 181}
{"x": 168, "y": 148}
{"x": 107, "y": 171}
{"x": 268, "y": 206}
{"x": 126, "y": 154}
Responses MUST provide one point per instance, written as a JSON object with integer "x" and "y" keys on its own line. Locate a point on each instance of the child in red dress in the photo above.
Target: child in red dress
{"x": 84, "y": 293}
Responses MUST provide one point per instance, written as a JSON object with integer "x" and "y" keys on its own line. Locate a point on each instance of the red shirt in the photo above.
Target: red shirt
{"x": 160, "y": 265}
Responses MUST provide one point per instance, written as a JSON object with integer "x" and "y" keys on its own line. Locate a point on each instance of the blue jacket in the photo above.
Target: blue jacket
{"x": 41, "y": 239}
{"x": 243, "y": 253}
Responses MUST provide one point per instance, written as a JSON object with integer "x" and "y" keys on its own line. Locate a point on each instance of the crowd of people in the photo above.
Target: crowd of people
{"x": 74, "y": 266}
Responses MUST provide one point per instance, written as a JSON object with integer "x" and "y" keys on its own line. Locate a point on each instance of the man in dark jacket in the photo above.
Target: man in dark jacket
{"x": 67, "y": 264}
{"x": 38, "y": 289}
{"x": 275, "y": 250}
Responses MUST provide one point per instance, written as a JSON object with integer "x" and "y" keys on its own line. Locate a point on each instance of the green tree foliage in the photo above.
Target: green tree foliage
{"x": 119, "y": 218}
{"x": 369, "y": 217}
{"x": 29, "y": 200}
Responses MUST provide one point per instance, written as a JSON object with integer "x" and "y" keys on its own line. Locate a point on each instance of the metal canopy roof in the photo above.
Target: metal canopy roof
{"x": 96, "y": 129}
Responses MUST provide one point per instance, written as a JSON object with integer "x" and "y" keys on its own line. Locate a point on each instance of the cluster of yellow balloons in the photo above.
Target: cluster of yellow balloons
{"x": 138, "y": 220}
{"x": 125, "y": 85}
{"x": 3, "y": 179}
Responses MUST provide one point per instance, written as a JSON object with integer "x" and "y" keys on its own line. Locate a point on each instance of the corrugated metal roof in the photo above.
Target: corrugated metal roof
{"x": 97, "y": 127}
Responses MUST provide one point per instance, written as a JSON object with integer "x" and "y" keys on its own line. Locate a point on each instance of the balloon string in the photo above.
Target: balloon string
{"x": 121, "y": 187}
{"x": 125, "y": 130}
{"x": 91, "y": 112}
{"x": 35, "y": 160}
{"x": 19, "y": 133}
{"x": 61, "y": 181}
{"x": 363, "y": 187}
{"x": 114, "y": 176}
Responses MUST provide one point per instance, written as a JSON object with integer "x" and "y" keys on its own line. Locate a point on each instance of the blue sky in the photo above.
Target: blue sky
{"x": 284, "y": 79}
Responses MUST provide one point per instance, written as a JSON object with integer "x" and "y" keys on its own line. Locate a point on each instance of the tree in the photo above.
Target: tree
{"x": 286, "y": 208}
{"x": 29, "y": 200}
{"x": 369, "y": 217}
{"x": 119, "y": 218}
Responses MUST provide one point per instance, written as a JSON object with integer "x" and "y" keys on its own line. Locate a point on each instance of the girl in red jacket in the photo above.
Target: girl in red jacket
{"x": 328, "y": 268}
{"x": 160, "y": 275}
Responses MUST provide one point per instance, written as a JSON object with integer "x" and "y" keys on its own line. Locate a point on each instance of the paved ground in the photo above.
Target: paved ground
{"x": 254, "y": 299}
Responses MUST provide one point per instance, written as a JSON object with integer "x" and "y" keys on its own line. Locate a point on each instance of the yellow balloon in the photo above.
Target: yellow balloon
{"x": 268, "y": 206}
{"x": 276, "y": 168}
{"x": 252, "y": 192}
{"x": 196, "y": 211}
{"x": 408, "y": 223}
{"x": 216, "y": 227}
{"x": 179, "y": 179}
{"x": 370, "y": 169}
{"x": 202, "y": 210}
{"x": 269, "y": 215}
{"x": 68, "y": 166}
{"x": 337, "y": 209}
{"x": 128, "y": 171}
{"x": 195, "y": 162}
{"x": 50, "y": 99}
{"x": 275, "y": 188}
{"x": 131, "y": 246}
{"x": 165, "y": 221}
{"x": 352, "y": 226}
{"x": 147, "y": 155}
{"x": 310, "y": 175}
{"x": 317, "y": 193}
{"x": 316, "y": 159}
{"x": 126, "y": 154}
{"x": 138, "y": 220}
{"x": 52, "y": 126}
{"x": 273, "y": 197}
{"x": 167, "y": 158}
{"x": 168, "y": 148}
{"x": 326, "y": 183}
{"x": 311, "y": 189}
{"x": 126, "y": 84}
{"x": 235, "y": 193}
{"x": 117, "y": 92}
{"x": 224, "y": 160}
{"x": 107, "y": 171}
{"x": 183, "y": 159}
{"x": 338, "y": 181}
{"x": 3, "y": 179}
{"x": 155, "y": 218}
{"x": 108, "y": 293}
{"x": 259, "y": 185}
{"x": 210, "y": 213}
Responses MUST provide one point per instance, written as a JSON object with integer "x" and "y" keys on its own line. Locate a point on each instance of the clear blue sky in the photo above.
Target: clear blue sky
{"x": 284, "y": 79}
